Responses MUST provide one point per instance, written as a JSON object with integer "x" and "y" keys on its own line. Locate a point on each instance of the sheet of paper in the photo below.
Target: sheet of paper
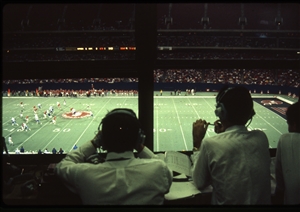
{"x": 161, "y": 156}
{"x": 180, "y": 176}
{"x": 181, "y": 190}
{"x": 178, "y": 162}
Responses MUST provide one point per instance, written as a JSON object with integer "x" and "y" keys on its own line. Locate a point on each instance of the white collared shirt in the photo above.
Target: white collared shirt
{"x": 287, "y": 167}
{"x": 237, "y": 165}
{"x": 128, "y": 181}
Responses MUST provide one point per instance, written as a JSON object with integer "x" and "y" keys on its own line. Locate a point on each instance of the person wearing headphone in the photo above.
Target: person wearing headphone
{"x": 120, "y": 178}
{"x": 236, "y": 161}
{"x": 287, "y": 163}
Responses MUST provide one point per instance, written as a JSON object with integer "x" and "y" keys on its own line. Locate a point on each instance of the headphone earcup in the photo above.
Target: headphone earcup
{"x": 220, "y": 111}
{"x": 101, "y": 142}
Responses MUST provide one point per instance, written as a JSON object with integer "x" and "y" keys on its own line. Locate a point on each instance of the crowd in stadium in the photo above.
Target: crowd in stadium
{"x": 193, "y": 55}
{"x": 228, "y": 41}
{"x": 79, "y": 56}
{"x": 19, "y": 41}
{"x": 66, "y": 56}
{"x": 289, "y": 78}
{"x": 232, "y": 76}
{"x": 71, "y": 80}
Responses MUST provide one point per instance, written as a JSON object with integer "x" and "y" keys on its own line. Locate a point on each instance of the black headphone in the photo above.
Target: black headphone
{"x": 221, "y": 111}
{"x": 140, "y": 138}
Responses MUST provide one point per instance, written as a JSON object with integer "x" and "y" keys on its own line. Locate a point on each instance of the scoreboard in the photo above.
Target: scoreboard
{"x": 101, "y": 48}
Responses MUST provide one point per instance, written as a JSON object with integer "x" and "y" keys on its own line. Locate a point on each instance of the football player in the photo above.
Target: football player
{"x": 13, "y": 122}
{"x": 37, "y": 119}
{"x": 10, "y": 141}
{"x": 53, "y": 120}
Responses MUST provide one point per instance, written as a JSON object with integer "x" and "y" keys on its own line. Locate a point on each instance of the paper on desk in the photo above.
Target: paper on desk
{"x": 161, "y": 156}
{"x": 181, "y": 190}
{"x": 177, "y": 161}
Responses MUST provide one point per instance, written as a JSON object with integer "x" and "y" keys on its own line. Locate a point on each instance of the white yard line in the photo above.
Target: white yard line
{"x": 270, "y": 124}
{"x": 17, "y": 116}
{"x": 56, "y": 135}
{"x": 198, "y": 114}
{"x": 15, "y": 102}
{"x": 273, "y": 111}
{"x": 180, "y": 125}
{"x": 156, "y": 131}
{"x": 267, "y": 121}
{"x": 92, "y": 121}
{"x": 88, "y": 126}
{"x": 212, "y": 108}
{"x": 209, "y": 105}
{"x": 32, "y": 135}
{"x": 184, "y": 97}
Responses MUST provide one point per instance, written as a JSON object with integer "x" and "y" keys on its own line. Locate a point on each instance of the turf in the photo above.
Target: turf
{"x": 173, "y": 118}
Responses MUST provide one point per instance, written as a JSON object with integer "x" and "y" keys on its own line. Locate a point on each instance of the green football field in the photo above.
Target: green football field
{"x": 173, "y": 119}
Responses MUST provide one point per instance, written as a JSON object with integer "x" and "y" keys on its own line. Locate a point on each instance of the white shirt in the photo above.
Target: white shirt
{"x": 134, "y": 181}
{"x": 237, "y": 165}
{"x": 287, "y": 167}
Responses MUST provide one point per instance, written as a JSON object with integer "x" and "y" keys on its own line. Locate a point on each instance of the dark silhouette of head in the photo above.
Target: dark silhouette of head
{"x": 293, "y": 117}
{"x": 120, "y": 130}
{"x": 234, "y": 104}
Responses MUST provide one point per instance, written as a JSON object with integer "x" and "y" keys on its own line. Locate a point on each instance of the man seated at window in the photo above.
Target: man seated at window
{"x": 121, "y": 178}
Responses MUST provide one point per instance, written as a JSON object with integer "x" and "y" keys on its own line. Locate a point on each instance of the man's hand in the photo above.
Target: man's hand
{"x": 219, "y": 128}
{"x": 139, "y": 148}
{"x": 199, "y": 129}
